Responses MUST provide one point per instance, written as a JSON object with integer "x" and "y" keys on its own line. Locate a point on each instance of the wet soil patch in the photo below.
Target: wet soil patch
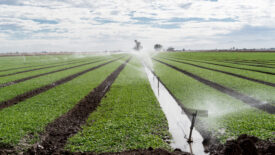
{"x": 244, "y": 145}
{"x": 57, "y": 132}
{"x": 228, "y": 73}
{"x": 43, "y": 74}
{"x": 244, "y": 98}
{"x": 42, "y": 89}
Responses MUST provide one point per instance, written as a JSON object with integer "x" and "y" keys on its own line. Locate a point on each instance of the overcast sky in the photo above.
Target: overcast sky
{"x": 98, "y": 25}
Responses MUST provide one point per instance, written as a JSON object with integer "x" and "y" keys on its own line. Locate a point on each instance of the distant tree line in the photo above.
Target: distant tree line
{"x": 159, "y": 47}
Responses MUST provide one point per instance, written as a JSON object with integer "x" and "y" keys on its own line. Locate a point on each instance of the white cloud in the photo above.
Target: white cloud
{"x": 90, "y": 25}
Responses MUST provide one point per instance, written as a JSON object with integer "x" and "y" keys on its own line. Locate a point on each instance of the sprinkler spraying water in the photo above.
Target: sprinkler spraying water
{"x": 138, "y": 46}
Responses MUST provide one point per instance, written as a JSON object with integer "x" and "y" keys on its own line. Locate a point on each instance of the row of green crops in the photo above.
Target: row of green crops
{"x": 259, "y": 91}
{"x": 203, "y": 57}
{"x": 4, "y": 75}
{"x": 228, "y": 117}
{"x": 246, "y": 73}
{"x": 7, "y": 63}
{"x": 11, "y": 78}
{"x": 32, "y": 115}
{"x": 17, "y": 89}
{"x": 248, "y": 63}
{"x": 259, "y": 56}
{"x": 129, "y": 117}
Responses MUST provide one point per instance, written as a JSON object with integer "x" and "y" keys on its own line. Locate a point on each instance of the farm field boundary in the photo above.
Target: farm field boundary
{"x": 47, "y": 73}
{"x": 228, "y": 73}
{"x": 246, "y": 99}
{"x": 223, "y": 65}
{"x": 42, "y": 89}
{"x": 62, "y": 128}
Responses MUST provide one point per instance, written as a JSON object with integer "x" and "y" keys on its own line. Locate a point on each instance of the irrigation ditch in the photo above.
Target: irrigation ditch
{"x": 244, "y": 144}
{"x": 178, "y": 121}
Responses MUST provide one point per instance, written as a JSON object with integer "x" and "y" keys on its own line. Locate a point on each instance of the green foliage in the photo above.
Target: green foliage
{"x": 31, "y": 116}
{"x": 129, "y": 117}
{"x": 17, "y": 89}
{"x": 228, "y": 117}
{"x": 257, "y": 90}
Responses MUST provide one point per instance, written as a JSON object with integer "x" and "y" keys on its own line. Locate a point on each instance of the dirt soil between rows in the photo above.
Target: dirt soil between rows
{"x": 244, "y": 145}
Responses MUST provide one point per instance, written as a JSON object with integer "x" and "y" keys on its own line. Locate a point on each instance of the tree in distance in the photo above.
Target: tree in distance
{"x": 158, "y": 47}
{"x": 170, "y": 49}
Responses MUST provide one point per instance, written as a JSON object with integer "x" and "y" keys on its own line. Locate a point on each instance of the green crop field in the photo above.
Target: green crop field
{"x": 105, "y": 103}
{"x": 237, "y": 99}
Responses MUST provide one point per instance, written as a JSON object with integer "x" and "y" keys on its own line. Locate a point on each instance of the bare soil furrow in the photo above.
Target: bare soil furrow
{"x": 42, "y": 89}
{"x": 57, "y": 132}
{"x": 244, "y": 98}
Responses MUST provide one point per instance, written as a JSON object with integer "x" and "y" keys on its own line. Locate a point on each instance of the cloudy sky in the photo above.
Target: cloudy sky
{"x": 98, "y": 25}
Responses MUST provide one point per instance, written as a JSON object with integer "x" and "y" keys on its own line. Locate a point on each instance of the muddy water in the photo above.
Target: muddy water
{"x": 179, "y": 124}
